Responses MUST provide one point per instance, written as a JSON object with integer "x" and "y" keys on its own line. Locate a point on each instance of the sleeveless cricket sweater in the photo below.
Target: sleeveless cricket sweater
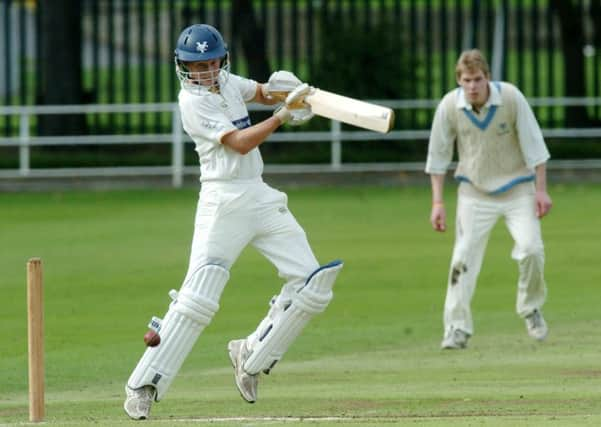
{"x": 490, "y": 156}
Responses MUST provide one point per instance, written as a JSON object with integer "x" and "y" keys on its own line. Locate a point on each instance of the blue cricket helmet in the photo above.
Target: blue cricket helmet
{"x": 200, "y": 42}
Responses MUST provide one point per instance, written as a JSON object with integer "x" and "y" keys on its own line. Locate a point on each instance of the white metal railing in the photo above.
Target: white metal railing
{"x": 335, "y": 136}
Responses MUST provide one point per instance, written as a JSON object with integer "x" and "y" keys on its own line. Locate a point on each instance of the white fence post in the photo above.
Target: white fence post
{"x": 177, "y": 161}
{"x": 336, "y": 147}
{"x": 24, "y": 158}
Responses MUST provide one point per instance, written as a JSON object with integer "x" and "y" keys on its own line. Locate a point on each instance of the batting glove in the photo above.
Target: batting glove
{"x": 283, "y": 114}
{"x": 300, "y": 116}
{"x": 300, "y": 112}
{"x": 281, "y": 81}
{"x": 297, "y": 96}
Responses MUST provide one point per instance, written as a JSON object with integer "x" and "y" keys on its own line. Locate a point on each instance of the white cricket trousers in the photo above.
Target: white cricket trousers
{"x": 477, "y": 213}
{"x": 233, "y": 214}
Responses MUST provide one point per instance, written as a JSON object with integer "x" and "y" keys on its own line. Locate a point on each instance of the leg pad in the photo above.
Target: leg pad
{"x": 189, "y": 313}
{"x": 284, "y": 323}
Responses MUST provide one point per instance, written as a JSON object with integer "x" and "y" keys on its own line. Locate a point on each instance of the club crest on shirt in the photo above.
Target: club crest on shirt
{"x": 502, "y": 128}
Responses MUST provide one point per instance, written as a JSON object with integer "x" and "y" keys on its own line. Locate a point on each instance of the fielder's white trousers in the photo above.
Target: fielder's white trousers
{"x": 234, "y": 214}
{"x": 477, "y": 213}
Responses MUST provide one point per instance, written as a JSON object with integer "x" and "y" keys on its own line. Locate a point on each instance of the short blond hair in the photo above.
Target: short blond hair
{"x": 472, "y": 60}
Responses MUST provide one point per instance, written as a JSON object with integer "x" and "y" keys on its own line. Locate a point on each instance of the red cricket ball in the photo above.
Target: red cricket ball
{"x": 152, "y": 339}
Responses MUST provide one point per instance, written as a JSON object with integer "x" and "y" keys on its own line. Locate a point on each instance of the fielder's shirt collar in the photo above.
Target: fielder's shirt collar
{"x": 494, "y": 98}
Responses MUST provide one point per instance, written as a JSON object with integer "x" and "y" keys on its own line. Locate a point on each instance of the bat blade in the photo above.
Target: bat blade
{"x": 351, "y": 111}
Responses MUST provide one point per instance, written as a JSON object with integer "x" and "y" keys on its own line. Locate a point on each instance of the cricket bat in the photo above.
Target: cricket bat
{"x": 347, "y": 110}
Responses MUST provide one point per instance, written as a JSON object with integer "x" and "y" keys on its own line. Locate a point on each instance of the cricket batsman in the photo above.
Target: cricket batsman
{"x": 235, "y": 209}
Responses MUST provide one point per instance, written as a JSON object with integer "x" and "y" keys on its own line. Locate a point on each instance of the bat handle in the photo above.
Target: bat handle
{"x": 281, "y": 96}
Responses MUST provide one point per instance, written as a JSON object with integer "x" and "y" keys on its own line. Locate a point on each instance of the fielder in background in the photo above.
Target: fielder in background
{"x": 501, "y": 172}
{"x": 235, "y": 209}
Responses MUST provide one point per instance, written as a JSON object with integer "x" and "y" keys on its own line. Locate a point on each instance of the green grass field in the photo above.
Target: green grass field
{"x": 372, "y": 358}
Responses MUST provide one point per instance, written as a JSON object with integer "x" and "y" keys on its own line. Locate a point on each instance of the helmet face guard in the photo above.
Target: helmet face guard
{"x": 201, "y": 42}
{"x": 199, "y": 81}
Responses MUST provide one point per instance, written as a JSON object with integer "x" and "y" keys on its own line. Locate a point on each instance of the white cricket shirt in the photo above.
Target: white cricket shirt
{"x": 208, "y": 116}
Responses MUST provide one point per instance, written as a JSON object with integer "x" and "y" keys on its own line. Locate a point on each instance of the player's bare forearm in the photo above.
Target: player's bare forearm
{"x": 543, "y": 201}
{"x": 541, "y": 177}
{"x": 437, "y": 182}
{"x": 245, "y": 140}
{"x": 438, "y": 215}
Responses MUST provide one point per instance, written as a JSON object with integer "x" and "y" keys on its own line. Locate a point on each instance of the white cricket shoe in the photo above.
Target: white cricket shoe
{"x": 246, "y": 383}
{"x": 536, "y": 325}
{"x": 138, "y": 401}
{"x": 454, "y": 339}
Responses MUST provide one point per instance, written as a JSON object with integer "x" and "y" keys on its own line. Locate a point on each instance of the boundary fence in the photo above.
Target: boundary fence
{"x": 177, "y": 138}
{"x": 121, "y": 51}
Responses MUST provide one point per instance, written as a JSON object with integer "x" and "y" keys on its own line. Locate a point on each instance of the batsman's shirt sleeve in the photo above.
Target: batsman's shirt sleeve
{"x": 202, "y": 119}
{"x": 442, "y": 137}
{"x": 530, "y": 136}
{"x": 247, "y": 87}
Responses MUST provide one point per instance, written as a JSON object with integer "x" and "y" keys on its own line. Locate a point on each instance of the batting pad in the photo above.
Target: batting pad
{"x": 287, "y": 322}
{"x": 189, "y": 313}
